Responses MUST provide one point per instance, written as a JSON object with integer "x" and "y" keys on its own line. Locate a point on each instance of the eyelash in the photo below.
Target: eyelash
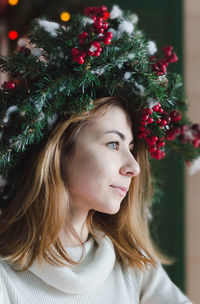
{"x": 118, "y": 144}
{"x": 114, "y": 142}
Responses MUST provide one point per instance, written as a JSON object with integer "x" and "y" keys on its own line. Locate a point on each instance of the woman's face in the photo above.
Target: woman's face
{"x": 102, "y": 165}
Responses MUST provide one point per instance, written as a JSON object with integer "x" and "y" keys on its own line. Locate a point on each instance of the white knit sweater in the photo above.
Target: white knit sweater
{"x": 99, "y": 279}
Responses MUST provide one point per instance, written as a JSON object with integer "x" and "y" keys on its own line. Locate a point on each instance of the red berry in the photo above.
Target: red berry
{"x": 150, "y": 111}
{"x": 82, "y": 41}
{"x": 106, "y": 15}
{"x": 105, "y": 25}
{"x": 156, "y": 108}
{"x": 97, "y": 54}
{"x": 160, "y": 144}
{"x": 99, "y": 19}
{"x": 88, "y": 10}
{"x": 107, "y": 41}
{"x": 171, "y": 135}
{"x": 163, "y": 122}
{"x": 83, "y": 35}
{"x": 81, "y": 60}
{"x": 9, "y": 85}
{"x": 91, "y": 53}
{"x": 145, "y": 117}
{"x": 103, "y": 8}
{"x": 98, "y": 24}
{"x": 143, "y": 123}
{"x": 109, "y": 35}
{"x": 142, "y": 129}
{"x": 158, "y": 120}
{"x": 96, "y": 44}
{"x": 83, "y": 54}
{"x": 160, "y": 110}
{"x": 97, "y": 10}
{"x": 154, "y": 138}
{"x": 26, "y": 51}
{"x": 175, "y": 116}
{"x": 75, "y": 51}
{"x": 150, "y": 120}
{"x": 167, "y": 50}
{"x": 162, "y": 154}
{"x": 172, "y": 58}
{"x": 152, "y": 149}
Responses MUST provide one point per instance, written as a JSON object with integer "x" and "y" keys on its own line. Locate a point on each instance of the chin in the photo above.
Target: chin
{"x": 112, "y": 210}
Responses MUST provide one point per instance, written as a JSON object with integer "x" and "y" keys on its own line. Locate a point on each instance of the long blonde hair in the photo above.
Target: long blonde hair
{"x": 31, "y": 224}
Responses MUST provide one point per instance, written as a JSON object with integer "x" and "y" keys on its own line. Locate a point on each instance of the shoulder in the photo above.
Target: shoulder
{"x": 156, "y": 286}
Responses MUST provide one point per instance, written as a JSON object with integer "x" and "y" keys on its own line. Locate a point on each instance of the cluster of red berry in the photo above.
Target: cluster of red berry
{"x": 156, "y": 115}
{"x": 99, "y": 26}
{"x": 160, "y": 66}
{"x": 190, "y": 135}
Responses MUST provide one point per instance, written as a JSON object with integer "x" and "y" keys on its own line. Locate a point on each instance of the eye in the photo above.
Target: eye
{"x": 114, "y": 145}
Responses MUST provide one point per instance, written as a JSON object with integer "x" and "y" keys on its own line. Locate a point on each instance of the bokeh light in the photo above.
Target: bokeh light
{"x": 13, "y": 35}
{"x": 13, "y": 2}
{"x": 65, "y": 16}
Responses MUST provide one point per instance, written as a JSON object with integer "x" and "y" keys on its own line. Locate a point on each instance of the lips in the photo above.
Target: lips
{"x": 121, "y": 190}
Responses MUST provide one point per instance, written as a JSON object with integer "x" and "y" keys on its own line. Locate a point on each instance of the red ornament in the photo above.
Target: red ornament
{"x": 9, "y": 85}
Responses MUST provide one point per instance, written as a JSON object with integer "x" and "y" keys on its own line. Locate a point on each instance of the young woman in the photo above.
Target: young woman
{"x": 77, "y": 229}
{"x": 82, "y": 114}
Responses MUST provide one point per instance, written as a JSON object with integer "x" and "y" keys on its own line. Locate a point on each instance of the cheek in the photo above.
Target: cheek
{"x": 85, "y": 170}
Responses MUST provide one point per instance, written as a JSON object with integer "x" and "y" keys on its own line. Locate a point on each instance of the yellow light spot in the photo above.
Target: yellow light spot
{"x": 65, "y": 16}
{"x": 13, "y": 2}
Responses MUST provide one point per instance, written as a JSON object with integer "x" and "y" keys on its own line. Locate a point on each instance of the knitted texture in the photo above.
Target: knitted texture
{"x": 97, "y": 279}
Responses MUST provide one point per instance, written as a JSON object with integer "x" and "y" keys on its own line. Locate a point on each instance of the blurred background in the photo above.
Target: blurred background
{"x": 176, "y": 219}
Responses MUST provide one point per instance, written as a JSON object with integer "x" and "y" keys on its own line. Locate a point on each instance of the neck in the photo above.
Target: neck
{"x": 81, "y": 229}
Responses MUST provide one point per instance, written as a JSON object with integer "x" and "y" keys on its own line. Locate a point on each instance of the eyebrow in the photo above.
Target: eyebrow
{"x": 121, "y": 135}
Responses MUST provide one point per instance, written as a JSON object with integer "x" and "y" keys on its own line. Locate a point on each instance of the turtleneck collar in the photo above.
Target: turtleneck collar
{"x": 96, "y": 264}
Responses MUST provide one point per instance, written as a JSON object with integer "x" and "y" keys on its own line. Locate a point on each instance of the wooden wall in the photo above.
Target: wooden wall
{"x": 192, "y": 206}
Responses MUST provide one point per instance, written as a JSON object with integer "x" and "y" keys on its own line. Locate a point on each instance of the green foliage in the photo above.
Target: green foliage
{"x": 54, "y": 84}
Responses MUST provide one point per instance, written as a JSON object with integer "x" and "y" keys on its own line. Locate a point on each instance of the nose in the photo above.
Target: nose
{"x": 130, "y": 167}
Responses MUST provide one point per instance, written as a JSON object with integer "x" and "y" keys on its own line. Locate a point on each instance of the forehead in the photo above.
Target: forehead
{"x": 112, "y": 118}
